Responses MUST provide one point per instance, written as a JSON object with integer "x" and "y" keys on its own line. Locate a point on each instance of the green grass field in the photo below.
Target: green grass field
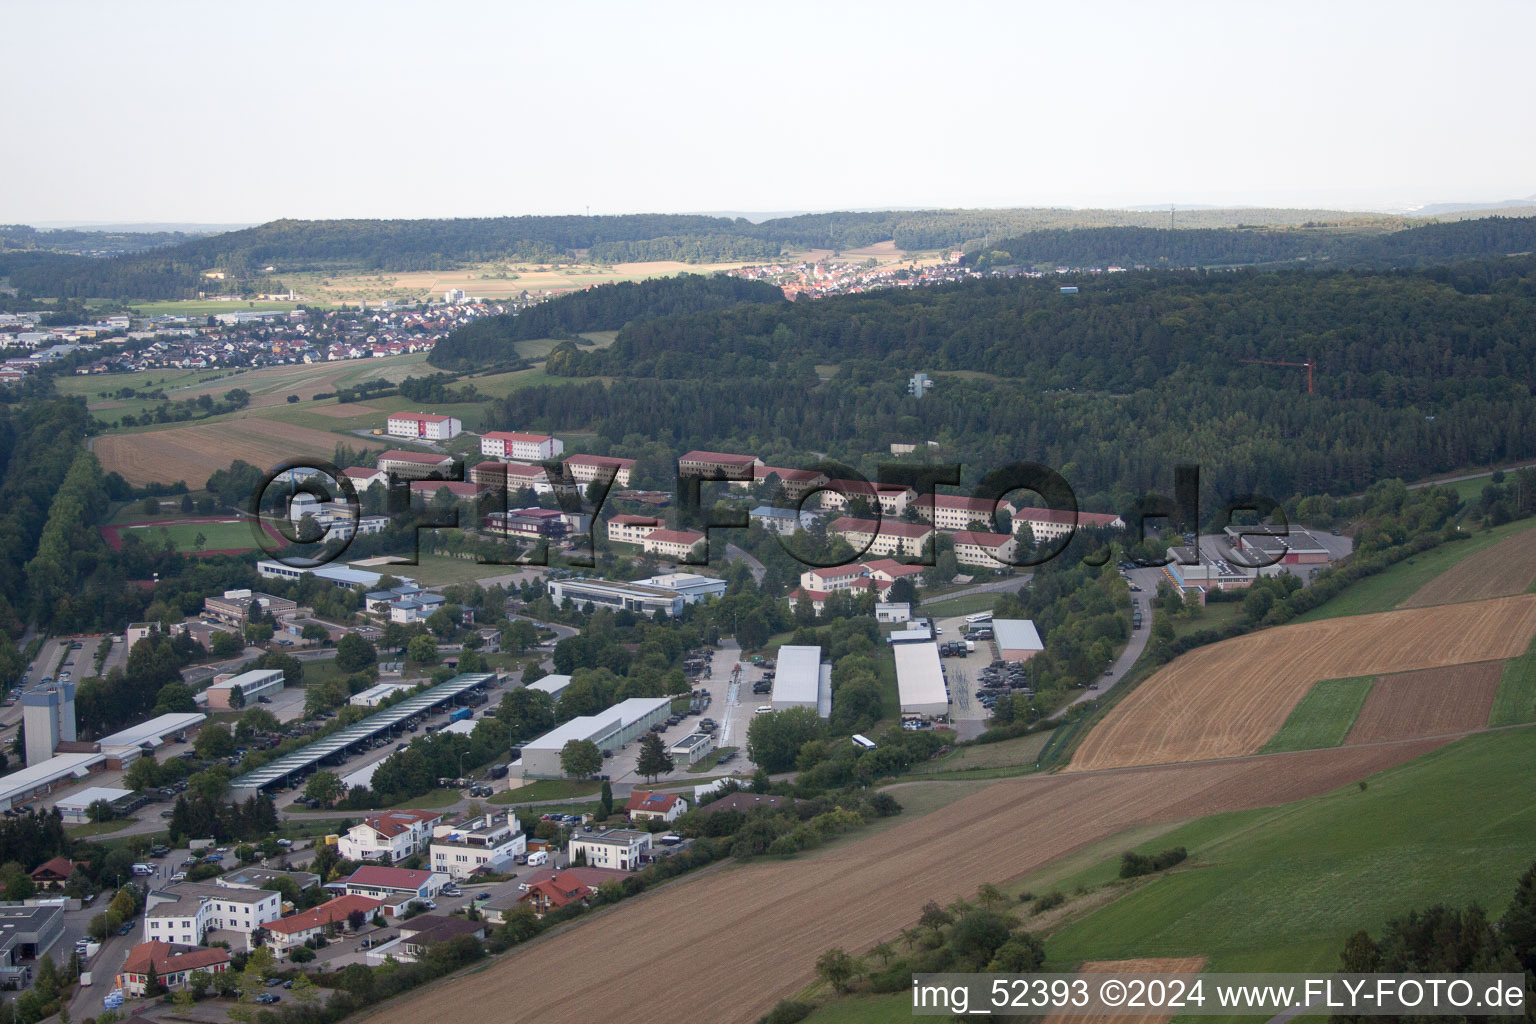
{"x": 193, "y": 307}
{"x": 440, "y": 570}
{"x": 1385, "y": 590}
{"x": 547, "y": 789}
{"x": 217, "y": 536}
{"x": 965, "y": 604}
{"x": 1281, "y": 888}
{"x": 988, "y": 757}
{"x": 1213, "y": 616}
{"x": 1515, "y": 701}
{"x": 1324, "y": 716}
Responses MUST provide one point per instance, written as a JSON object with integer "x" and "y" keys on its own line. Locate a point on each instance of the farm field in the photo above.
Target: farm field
{"x": 1280, "y": 889}
{"x": 203, "y": 307}
{"x": 1143, "y": 965}
{"x": 1024, "y": 750}
{"x": 1323, "y": 717}
{"x": 1498, "y": 570}
{"x": 1387, "y": 589}
{"x": 1515, "y": 702}
{"x": 1432, "y": 702}
{"x": 1229, "y": 698}
{"x": 876, "y": 886}
{"x": 192, "y": 453}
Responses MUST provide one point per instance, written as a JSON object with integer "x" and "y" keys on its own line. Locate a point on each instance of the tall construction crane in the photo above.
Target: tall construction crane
{"x": 1270, "y": 362}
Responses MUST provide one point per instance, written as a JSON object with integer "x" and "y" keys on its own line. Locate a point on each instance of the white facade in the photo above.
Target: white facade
{"x": 389, "y": 837}
{"x": 619, "y": 849}
{"x": 424, "y": 426}
{"x": 186, "y": 912}
{"x": 487, "y": 842}
{"x": 518, "y": 447}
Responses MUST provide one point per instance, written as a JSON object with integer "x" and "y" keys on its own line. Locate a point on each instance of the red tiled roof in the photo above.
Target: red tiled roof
{"x": 985, "y": 506}
{"x": 1051, "y": 515}
{"x": 419, "y": 417}
{"x": 327, "y": 912}
{"x": 865, "y": 487}
{"x": 561, "y": 890}
{"x": 675, "y": 537}
{"x": 884, "y": 527}
{"x": 629, "y": 520}
{"x": 509, "y": 436}
{"x": 723, "y": 458}
{"x": 659, "y": 802}
{"x": 379, "y": 876}
{"x": 601, "y": 460}
{"x": 359, "y": 472}
{"x": 835, "y": 572}
{"x": 431, "y": 487}
{"x": 169, "y": 959}
{"x": 986, "y": 540}
{"x": 392, "y": 823}
{"x": 56, "y": 867}
{"x": 802, "y": 475}
{"x": 892, "y": 568}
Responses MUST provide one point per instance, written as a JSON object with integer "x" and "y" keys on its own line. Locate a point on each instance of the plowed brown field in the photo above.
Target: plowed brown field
{"x": 192, "y": 453}
{"x": 751, "y": 934}
{"x": 1120, "y": 968}
{"x": 1434, "y": 702}
{"x": 1507, "y": 567}
{"x": 1229, "y": 698}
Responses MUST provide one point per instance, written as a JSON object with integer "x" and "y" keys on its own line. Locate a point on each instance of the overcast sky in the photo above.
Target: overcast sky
{"x": 116, "y": 112}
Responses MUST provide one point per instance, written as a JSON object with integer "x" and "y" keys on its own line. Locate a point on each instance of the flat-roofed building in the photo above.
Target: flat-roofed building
{"x": 692, "y": 586}
{"x": 586, "y": 468}
{"x": 883, "y": 537}
{"x": 621, "y": 849}
{"x": 1276, "y": 545}
{"x": 609, "y": 730}
{"x": 489, "y": 843}
{"x": 415, "y": 465}
{"x": 553, "y": 684}
{"x": 920, "y": 680}
{"x": 797, "y": 677}
{"x": 260, "y": 682}
{"x": 693, "y": 748}
{"x": 233, "y": 607}
{"x": 520, "y": 447}
{"x": 526, "y": 523}
{"x": 1016, "y": 639}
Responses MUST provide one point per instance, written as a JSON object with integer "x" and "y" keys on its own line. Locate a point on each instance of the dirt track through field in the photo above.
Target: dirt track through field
{"x": 750, "y": 935}
{"x": 1433, "y": 702}
{"x": 1121, "y": 968}
{"x": 1228, "y": 699}
{"x": 1499, "y": 570}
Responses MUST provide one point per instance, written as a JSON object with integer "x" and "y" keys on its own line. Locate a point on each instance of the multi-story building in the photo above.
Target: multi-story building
{"x": 835, "y": 577}
{"x": 586, "y": 468}
{"x": 233, "y": 608}
{"x": 675, "y": 544}
{"x": 891, "y": 498}
{"x": 885, "y": 571}
{"x": 488, "y": 842}
{"x": 513, "y": 476}
{"x": 1048, "y": 524}
{"x": 395, "y": 888}
{"x": 390, "y": 836}
{"x": 424, "y": 491}
{"x": 260, "y": 682}
{"x": 627, "y": 529}
{"x": 503, "y": 444}
{"x": 985, "y": 550}
{"x": 618, "y": 848}
{"x": 883, "y": 538}
{"x": 957, "y": 511}
{"x": 526, "y": 523}
{"x": 633, "y": 597}
{"x": 289, "y": 933}
{"x": 719, "y": 466}
{"x": 362, "y": 478}
{"x": 424, "y": 426}
{"x": 415, "y": 465}
{"x": 187, "y": 911}
{"x": 794, "y": 483}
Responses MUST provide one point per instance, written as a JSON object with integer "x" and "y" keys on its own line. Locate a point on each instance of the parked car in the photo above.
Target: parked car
{"x": 126, "y": 928}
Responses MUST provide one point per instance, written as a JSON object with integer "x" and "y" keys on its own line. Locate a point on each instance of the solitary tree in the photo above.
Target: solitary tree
{"x": 654, "y": 759}
{"x": 837, "y": 969}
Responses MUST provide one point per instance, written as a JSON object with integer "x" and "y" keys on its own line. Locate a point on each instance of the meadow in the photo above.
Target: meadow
{"x": 1323, "y": 717}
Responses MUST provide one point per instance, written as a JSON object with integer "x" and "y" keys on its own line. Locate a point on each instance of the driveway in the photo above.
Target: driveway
{"x": 1146, "y": 579}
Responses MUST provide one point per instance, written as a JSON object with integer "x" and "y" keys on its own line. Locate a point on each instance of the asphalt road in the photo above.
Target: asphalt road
{"x": 732, "y": 551}
{"x": 1146, "y": 579}
{"x": 1006, "y": 584}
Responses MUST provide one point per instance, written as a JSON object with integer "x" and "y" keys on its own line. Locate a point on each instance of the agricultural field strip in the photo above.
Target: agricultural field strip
{"x": 1428, "y": 702}
{"x": 1502, "y": 569}
{"x": 1147, "y": 965}
{"x": 755, "y": 930}
{"x": 1229, "y": 698}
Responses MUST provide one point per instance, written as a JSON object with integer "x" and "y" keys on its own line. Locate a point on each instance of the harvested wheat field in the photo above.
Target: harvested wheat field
{"x": 1507, "y": 567}
{"x": 1121, "y": 968}
{"x": 192, "y": 453}
{"x": 756, "y": 930}
{"x": 1229, "y": 698}
{"x": 1434, "y": 702}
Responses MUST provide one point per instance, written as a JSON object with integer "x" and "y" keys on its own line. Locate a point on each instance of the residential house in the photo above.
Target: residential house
{"x": 620, "y": 848}
{"x": 390, "y": 836}
{"x": 187, "y": 911}
{"x": 171, "y": 964}
{"x": 288, "y": 933}
{"x": 486, "y": 843}
{"x": 396, "y": 888}
{"x": 643, "y": 806}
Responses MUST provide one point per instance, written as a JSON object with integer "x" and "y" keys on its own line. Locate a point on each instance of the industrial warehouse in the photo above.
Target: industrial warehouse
{"x": 802, "y": 681}
{"x": 920, "y": 680}
{"x": 608, "y": 730}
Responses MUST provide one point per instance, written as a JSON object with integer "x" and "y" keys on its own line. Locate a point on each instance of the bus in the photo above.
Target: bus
{"x": 863, "y": 741}
{"x": 979, "y": 617}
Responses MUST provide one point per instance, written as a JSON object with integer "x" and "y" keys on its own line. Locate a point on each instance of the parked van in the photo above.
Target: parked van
{"x": 537, "y": 858}
{"x": 143, "y": 869}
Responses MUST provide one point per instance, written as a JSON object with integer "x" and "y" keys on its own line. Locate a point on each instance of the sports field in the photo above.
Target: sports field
{"x": 224, "y": 535}
{"x": 1229, "y": 698}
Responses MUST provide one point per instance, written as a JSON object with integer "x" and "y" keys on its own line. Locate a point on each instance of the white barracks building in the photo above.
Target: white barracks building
{"x": 424, "y": 426}
{"x": 502, "y": 444}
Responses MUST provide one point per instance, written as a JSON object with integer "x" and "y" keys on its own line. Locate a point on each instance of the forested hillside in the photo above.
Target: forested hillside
{"x": 1212, "y": 247}
{"x": 488, "y": 341}
{"x": 1417, "y": 372}
{"x": 175, "y": 271}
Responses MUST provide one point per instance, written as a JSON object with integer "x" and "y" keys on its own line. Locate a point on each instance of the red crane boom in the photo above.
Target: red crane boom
{"x": 1270, "y": 362}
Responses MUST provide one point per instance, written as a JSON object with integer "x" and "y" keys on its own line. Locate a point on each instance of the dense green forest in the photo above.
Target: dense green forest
{"x": 1208, "y": 247}
{"x": 489, "y": 341}
{"x": 1417, "y": 372}
{"x": 175, "y": 271}
{"x": 85, "y": 240}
